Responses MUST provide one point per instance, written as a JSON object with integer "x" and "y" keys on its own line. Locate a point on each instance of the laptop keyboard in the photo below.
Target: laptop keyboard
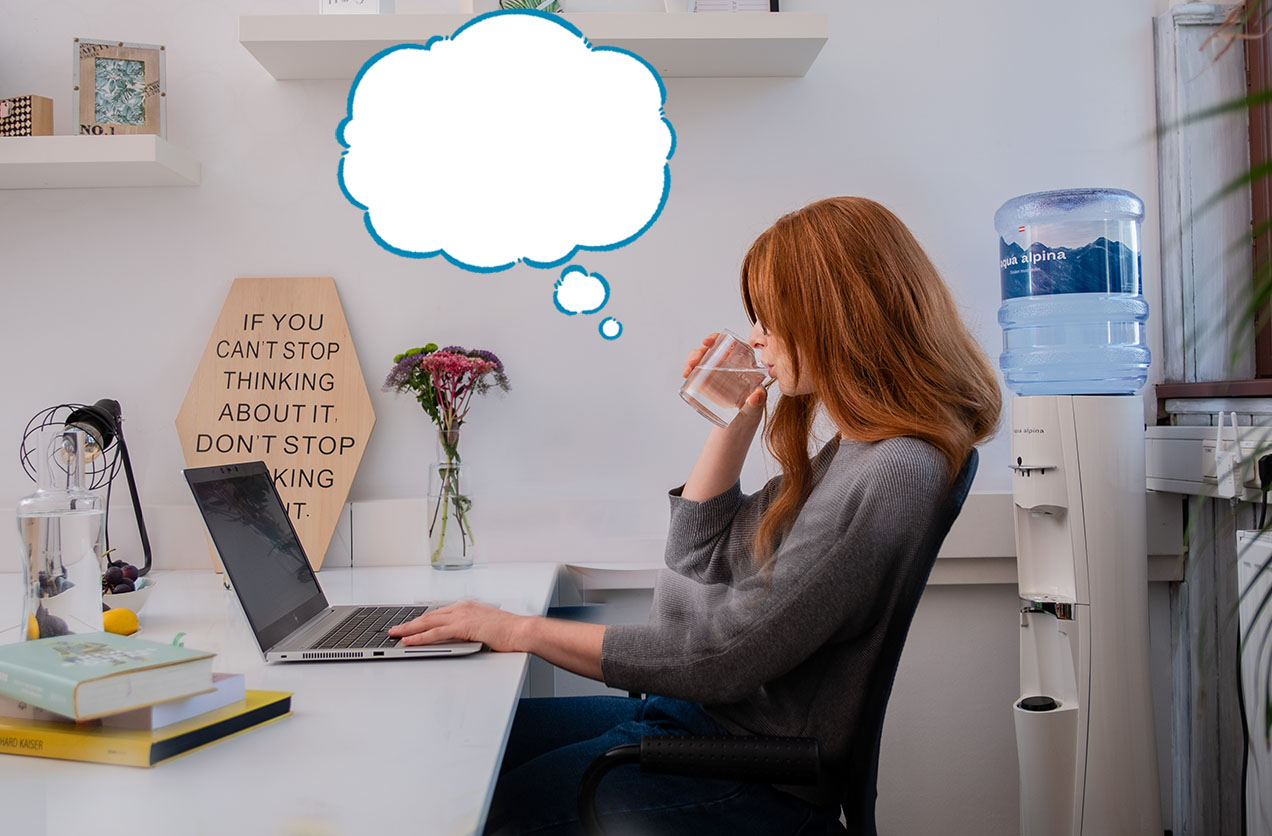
{"x": 368, "y": 627}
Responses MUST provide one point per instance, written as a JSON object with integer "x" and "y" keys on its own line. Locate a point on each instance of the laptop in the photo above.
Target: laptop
{"x": 276, "y": 587}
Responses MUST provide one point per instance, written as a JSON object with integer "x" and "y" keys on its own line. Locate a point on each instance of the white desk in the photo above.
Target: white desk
{"x": 422, "y": 739}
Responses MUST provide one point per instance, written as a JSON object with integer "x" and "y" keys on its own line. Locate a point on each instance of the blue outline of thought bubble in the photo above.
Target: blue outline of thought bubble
{"x": 575, "y": 268}
{"x": 600, "y": 329}
{"x": 662, "y": 201}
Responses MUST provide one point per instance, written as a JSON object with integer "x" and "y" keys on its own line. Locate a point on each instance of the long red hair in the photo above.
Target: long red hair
{"x": 865, "y": 315}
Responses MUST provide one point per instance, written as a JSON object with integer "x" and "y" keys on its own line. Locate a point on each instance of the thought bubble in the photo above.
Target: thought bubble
{"x": 610, "y": 328}
{"x": 580, "y": 292}
{"x": 512, "y": 140}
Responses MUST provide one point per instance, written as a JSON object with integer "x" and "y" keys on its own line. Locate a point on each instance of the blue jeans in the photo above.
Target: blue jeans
{"x": 553, "y": 740}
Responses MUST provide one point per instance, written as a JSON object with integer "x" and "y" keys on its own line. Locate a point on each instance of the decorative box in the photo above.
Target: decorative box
{"x": 26, "y": 116}
{"x": 735, "y": 5}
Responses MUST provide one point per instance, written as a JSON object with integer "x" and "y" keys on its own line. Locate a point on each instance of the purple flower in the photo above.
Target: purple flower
{"x": 488, "y": 356}
{"x": 399, "y": 376}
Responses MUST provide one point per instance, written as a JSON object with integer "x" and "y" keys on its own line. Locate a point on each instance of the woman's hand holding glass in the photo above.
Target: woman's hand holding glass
{"x": 723, "y": 380}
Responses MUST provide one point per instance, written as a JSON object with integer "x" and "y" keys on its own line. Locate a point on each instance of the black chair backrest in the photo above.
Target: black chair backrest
{"x": 862, "y": 777}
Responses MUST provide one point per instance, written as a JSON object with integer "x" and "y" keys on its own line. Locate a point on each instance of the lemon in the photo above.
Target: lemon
{"x": 120, "y": 620}
{"x": 33, "y": 627}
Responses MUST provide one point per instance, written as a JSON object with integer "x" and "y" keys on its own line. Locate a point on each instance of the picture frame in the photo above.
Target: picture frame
{"x": 120, "y": 88}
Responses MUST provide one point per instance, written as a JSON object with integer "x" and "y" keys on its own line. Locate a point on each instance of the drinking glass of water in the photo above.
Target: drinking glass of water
{"x": 723, "y": 379}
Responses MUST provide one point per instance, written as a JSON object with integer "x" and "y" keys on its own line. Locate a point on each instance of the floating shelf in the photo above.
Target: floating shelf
{"x": 90, "y": 162}
{"x": 742, "y": 44}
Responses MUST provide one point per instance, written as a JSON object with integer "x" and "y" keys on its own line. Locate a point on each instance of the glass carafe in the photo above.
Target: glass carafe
{"x": 60, "y": 529}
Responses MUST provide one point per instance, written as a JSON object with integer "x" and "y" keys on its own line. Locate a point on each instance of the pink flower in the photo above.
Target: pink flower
{"x": 443, "y": 363}
{"x": 454, "y": 377}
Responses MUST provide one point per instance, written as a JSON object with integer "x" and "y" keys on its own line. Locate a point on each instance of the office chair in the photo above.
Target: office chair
{"x": 796, "y": 761}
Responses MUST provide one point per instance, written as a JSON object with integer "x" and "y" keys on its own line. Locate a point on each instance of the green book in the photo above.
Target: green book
{"x": 140, "y": 747}
{"x": 91, "y": 675}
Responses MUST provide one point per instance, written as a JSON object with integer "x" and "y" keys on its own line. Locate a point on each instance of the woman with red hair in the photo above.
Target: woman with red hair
{"x": 768, "y": 617}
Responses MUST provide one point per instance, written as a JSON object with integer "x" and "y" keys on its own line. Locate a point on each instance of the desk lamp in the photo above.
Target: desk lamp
{"x": 105, "y": 450}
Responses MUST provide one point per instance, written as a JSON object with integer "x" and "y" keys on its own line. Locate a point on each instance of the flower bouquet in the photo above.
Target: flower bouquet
{"x": 444, "y": 382}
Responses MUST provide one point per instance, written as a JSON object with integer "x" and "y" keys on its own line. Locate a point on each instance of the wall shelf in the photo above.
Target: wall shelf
{"x": 744, "y": 44}
{"x": 90, "y": 162}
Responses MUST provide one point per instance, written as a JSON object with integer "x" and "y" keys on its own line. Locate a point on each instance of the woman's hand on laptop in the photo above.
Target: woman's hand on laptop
{"x": 573, "y": 645}
{"x": 462, "y": 621}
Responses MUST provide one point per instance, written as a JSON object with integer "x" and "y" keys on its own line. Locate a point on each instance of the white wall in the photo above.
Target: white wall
{"x": 941, "y": 111}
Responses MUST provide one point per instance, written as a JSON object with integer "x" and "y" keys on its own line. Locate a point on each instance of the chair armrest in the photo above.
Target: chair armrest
{"x": 766, "y": 760}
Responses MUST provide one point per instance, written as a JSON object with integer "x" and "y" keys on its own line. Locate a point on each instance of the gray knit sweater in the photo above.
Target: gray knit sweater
{"x": 784, "y": 650}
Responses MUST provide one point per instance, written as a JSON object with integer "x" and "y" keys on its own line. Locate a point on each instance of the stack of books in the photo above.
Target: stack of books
{"x": 116, "y": 699}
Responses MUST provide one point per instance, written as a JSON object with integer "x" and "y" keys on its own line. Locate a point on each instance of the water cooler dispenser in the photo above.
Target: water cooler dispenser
{"x": 1074, "y": 352}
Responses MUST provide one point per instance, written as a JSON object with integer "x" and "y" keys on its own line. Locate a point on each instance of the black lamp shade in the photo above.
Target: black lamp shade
{"x": 100, "y": 421}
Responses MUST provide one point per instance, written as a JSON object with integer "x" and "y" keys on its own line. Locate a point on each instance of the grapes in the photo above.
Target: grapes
{"x": 50, "y": 625}
{"x": 119, "y": 577}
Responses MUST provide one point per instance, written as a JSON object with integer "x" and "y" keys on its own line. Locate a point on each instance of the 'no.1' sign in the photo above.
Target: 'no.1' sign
{"x": 280, "y": 382}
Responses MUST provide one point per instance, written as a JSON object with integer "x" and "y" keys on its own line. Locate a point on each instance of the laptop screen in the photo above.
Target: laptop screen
{"x": 258, "y": 547}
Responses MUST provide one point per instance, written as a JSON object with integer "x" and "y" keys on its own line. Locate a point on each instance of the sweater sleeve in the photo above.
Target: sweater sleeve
{"x": 705, "y": 539}
{"x": 717, "y": 643}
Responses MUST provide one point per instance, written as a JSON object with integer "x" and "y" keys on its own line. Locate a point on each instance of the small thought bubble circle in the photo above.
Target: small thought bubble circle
{"x": 580, "y": 292}
{"x": 610, "y": 328}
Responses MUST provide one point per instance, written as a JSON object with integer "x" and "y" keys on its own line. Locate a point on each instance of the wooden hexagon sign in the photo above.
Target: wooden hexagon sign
{"x": 280, "y": 382}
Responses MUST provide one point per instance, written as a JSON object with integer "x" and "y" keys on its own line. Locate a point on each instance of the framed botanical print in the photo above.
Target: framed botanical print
{"x": 120, "y": 88}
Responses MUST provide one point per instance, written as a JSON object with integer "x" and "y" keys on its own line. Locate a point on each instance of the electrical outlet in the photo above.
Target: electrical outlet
{"x": 1250, "y": 451}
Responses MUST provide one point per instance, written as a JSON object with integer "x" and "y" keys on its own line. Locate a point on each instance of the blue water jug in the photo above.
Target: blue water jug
{"x": 1073, "y": 312}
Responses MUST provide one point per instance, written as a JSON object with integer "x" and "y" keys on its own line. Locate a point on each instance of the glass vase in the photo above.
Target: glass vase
{"x": 61, "y": 531}
{"x": 450, "y": 505}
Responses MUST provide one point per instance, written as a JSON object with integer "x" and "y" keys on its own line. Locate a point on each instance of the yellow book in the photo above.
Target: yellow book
{"x": 140, "y": 747}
